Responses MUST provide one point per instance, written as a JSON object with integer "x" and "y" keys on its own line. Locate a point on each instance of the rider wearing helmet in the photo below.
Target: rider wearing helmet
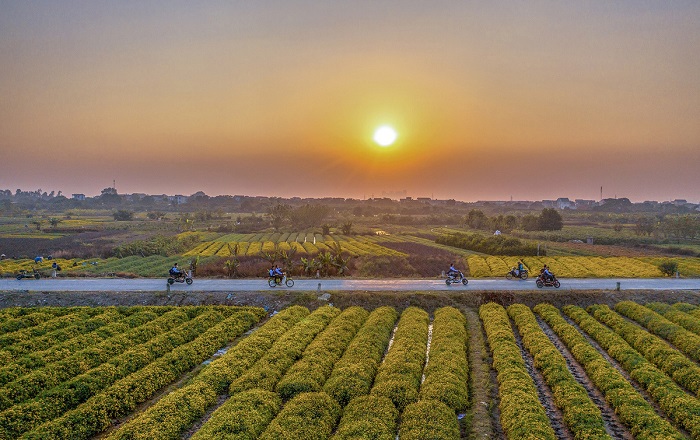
{"x": 175, "y": 271}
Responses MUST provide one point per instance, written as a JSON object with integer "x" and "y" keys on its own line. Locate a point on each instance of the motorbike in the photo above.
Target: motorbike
{"x": 542, "y": 281}
{"x": 33, "y": 274}
{"x": 455, "y": 278}
{"x": 275, "y": 281}
{"x": 514, "y": 274}
{"x": 181, "y": 277}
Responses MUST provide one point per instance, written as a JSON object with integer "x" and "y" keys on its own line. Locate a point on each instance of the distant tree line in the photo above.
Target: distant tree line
{"x": 489, "y": 244}
{"x": 548, "y": 220}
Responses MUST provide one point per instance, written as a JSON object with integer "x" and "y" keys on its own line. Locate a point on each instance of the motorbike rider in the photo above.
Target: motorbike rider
{"x": 175, "y": 271}
{"x": 278, "y": 274}
{"x": 453, "y": 272}
{"x": 271, "y": 272}
{"x": 547, "y": 274}
{"x": 520, "y": 268}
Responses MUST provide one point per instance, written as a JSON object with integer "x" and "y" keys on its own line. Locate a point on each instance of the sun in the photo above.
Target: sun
{"x": 384, "y": 136}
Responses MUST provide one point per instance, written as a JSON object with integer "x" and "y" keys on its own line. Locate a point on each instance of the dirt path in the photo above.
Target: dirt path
{"x": 613, "y": 426}
{"x": 483, "y": 419}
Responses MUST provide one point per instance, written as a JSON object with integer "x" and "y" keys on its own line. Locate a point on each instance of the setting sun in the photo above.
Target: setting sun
{"x": 385, "y": 136}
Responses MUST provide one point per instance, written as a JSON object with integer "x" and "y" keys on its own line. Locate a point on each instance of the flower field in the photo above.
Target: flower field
{"x": 581, "y": 267}
{"x": 628, "y": 371}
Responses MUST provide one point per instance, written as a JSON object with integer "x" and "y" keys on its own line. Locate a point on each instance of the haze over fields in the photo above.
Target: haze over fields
{"x": 489, "y": 100}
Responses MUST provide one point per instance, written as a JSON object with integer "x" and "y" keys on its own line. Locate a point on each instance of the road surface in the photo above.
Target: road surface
{"x": 220, "y": 285}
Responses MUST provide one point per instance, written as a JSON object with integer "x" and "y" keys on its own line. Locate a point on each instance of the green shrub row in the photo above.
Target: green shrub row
{"x": 242, "y": 417}
{"x": 22, "y": 322}
{"x": 685, "y": 320}
{"x": 581, "y": 415}
{"x": 447, "y": 371}
{"x": 679, "y": 406}
{"x": 288, "y": 349}
{"x": 120, "y": 399}
{"x": 354, "y": 373}
{"x": 57, "y": 323}
{"x": 635, "y": 412}
{"x": 669, "y": 360}
{"x": 399, "y": 376}
{"x": 522, "y": 414}
{"x": 31, "y": 361}
{"x": 59, "y": 399}
{"x": 37, "y": 381}
{"x": 685, "y": 307}
{"x": 685, "y": 341}
{"x": 429, "y": 419}
{"x": 313, "y": 369}
{"x": 83, "y": 323}
{"x": 308, "y": 416}
{"x": 176, "y": 411}
{"x": 46, "y": 313}
{"x": 368, "y": 417}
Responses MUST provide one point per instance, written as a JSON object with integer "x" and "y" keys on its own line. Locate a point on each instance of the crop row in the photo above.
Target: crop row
{"x": 673, "y": 314}
{"x": 635, "y": 412}
{"x": 53, "y": 374}
{"x": 65, "y": 390}
{"x": 14, "y": 368}
{"x": 522, "y": 414}
{"x": 313, "y": 369}
{"x": 676, "y": 403}
{"x": 447, "y": 369}
{"x": 580, "y": 413}
{"x": 178, "y": 410}
{"x": 444, "y": 389}
{"x": 354, "y": 373}
{"x": 686, "y": 341}
{"x": 669, "y": 360}
{"x": 121, "y": 398}
{"x": 396, "y": 384}
{"x": 305, "y": 378}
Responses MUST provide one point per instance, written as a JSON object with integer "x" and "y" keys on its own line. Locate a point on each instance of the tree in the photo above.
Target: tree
{"x": 346, "y": 228}
{"x": 54, "y": 221}
{"x": 325, "y": 229}
{"x": 529, "y": 222}
{"x": 550, "y": 220}
{"x": 308, "y": 216}
{"x": 123, "y": 215}
{"x": 278, "y": 214}
{"x": 37, "y": 224}
{"x": 644, "y": 226}
{"x": 476, "y": 219}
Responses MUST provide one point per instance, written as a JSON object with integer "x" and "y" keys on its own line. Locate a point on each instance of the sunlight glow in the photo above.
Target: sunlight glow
{"x": 385, "y": 136}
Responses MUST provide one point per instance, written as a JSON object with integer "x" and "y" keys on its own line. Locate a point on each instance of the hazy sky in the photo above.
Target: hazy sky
{"x": 490, "y": 99}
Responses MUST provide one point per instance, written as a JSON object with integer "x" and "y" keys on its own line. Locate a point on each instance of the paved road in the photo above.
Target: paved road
{"x": 219, "y": 285}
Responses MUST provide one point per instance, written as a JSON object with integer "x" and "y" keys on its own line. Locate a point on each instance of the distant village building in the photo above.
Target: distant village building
{"x": 78, "y": 196}
{"x": 178, "y": 199}
{"x": 565, "y": 203}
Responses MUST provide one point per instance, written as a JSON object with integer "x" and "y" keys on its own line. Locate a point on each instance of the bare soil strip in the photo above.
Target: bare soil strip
{"x": 613, "y": 426}
{"x": 556, "y": 418}
{"x": 483, "y": 419}
{"x": 642, "y": 392}
{"x": 427, "y": 350}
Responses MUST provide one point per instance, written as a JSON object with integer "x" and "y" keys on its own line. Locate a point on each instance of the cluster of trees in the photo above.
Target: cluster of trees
{"x": 302, "y": 217}
{"x": 489, "y": 244}
{"x": 548, "y": 220}
{"x": 158, "y": 245}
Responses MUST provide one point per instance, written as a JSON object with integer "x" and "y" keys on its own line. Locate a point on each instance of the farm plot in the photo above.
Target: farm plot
{"x": 579, "y": 267}
{"x": 601, "y": 373}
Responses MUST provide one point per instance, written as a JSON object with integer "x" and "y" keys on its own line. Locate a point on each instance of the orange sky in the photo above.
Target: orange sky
{"x": 537, "y": 100}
